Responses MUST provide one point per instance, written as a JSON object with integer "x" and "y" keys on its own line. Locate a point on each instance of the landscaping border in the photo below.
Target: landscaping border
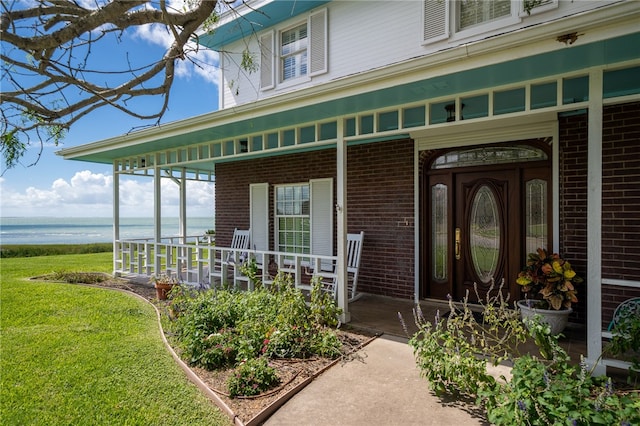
{"x": 261, "y": 416}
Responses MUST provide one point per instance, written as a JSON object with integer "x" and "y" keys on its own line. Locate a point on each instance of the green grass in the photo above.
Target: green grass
{"x": 71, "y": 354}
{"x": 30, "y": 250}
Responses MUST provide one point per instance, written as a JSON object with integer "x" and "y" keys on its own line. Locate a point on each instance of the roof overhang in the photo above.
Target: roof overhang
{"x": 253, "y": 17}
{"x": 458, "y": 70}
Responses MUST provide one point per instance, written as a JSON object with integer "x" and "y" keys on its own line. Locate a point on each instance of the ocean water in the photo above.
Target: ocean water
{"x": 49, "y": 230}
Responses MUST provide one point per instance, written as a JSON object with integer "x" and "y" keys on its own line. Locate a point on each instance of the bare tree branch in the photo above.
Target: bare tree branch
{"x": 49, "y": 48}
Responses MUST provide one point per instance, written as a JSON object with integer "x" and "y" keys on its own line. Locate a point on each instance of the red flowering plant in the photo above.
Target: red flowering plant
{"x": 551, "y": 279}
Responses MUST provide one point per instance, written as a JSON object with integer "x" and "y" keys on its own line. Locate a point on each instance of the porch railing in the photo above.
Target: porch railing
{"x": 201, "y": 263}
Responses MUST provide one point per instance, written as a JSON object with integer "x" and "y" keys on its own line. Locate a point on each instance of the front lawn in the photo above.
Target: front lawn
{"x": 77, "y": 355}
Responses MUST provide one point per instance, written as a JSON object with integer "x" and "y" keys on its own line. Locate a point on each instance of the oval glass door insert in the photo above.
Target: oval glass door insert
{"x": 484, "y": 234}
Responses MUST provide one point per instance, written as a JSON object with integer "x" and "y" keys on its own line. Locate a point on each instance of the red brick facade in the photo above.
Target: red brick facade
{"x": 620, "y": 201}
{"x": 380, "y": 203}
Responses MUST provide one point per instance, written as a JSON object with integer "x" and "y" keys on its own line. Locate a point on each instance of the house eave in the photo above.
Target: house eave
{"x": 433, "y": 70}
{"x": 253, "y": 17}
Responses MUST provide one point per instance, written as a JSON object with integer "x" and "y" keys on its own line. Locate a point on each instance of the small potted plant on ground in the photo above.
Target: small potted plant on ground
{"x": 163, "y": 284}
{"x": 549, "y": 283}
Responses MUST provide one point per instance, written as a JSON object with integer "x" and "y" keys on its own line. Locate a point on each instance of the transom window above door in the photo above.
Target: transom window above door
{"x": 488, "y": 155}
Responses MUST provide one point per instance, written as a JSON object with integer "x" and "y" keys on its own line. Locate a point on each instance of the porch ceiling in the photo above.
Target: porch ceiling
{"x": 260, "y": 116}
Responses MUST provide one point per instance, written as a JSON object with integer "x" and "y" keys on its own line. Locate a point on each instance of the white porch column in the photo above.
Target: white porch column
{"x": 341, "y": 213}
{"x": 116, "y": 213}
{"x": 157, "y": 216}
{"x": 594, "y": 223}
{"x": 183, "y": 206}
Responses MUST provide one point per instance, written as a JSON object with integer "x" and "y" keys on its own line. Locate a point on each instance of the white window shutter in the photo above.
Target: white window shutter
{"x": 267, "y": 61}
{"x": 318, "y": 42}
{"x": 259, "y": 217}
{"x": 436, "y": 20}
{"x": 322, "y": 216}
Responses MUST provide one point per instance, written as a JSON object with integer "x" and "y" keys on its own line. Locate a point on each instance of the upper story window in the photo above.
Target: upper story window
{"x": 294, "y": 53}
{"x": 474, "y": 12}
{"x": 465, "y": 18}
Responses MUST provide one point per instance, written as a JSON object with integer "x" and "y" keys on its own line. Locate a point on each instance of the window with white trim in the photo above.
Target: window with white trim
{"x": 303, "y": 216}
{"x": 293, "y": 53}
{"x": 293, "y": 218}
{"x": 443, "y": 19}
{"x": 476, "y": 12}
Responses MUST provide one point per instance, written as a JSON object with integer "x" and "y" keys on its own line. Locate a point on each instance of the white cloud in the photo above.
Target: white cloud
{"x": 200, "y": 61}
{"x": 89, "y": 194}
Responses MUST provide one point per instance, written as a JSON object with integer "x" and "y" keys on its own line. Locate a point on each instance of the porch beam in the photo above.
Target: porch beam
{"x": 594, "y": 223}
{"x": 341, "y": 214}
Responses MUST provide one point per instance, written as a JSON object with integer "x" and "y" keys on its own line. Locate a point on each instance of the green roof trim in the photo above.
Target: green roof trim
{"x": 257, "y": 20}
{"x": 549, "y": 64}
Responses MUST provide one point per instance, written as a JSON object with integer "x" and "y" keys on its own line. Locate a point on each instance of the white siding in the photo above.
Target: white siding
{"x": 363, "y": 36}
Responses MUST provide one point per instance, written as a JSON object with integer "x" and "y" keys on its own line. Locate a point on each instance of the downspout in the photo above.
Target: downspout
{"x": 116, "y": 215}
{"x": 341, "y": 213}
{"x": 594, "y": 225}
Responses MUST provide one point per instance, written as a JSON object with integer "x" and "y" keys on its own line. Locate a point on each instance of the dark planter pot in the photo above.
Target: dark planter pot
{"x": 557, "y": 320}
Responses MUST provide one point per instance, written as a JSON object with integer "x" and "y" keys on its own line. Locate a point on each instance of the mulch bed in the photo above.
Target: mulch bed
{"x": 294, "y": 373}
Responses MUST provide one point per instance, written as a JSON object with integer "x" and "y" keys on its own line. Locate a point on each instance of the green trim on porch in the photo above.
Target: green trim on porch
{"x": 563, "y": 61}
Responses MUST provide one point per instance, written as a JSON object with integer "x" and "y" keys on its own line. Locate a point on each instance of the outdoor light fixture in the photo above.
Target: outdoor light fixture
{"x": 244, "y": 145}
{"x": 568, "y": 39}
{"x": 143, "y": 162}
{"x": 451, "y": 111}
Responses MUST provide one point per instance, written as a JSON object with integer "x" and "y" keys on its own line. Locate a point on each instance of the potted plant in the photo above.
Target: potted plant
{"x": 163, "y": 284}
{"x": 549, "y": 283}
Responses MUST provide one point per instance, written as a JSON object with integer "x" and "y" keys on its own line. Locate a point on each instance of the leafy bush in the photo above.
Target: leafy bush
{"x": 544, "y": 389}
{"x": 558, "y": 393}
{"x": 222, "y": 328}
{"x": 625, "y": 342}
{"x": 252, "y": 377}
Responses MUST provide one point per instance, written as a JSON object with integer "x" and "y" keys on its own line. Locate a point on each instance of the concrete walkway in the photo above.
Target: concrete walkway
{"x": 381, "y": 386}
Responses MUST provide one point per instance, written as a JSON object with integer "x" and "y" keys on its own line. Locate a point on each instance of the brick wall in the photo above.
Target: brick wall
{"x": 620, "y": 201}
{"x": 573, "y": 200}
{"x": 380, "y": 203}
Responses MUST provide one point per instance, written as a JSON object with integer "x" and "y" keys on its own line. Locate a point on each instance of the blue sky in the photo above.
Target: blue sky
{"x": 62, "y": 188}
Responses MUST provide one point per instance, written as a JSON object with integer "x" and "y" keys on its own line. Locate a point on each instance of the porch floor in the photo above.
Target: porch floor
{"x": 379, "y": 314}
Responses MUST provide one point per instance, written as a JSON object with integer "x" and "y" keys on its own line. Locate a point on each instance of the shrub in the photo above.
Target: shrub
{"x": 221, "y": 328}
{"x": 545, "y": 388}
{"x": 558, "y": 393}
{"x": 625, "y": 342}
{"x": 252, "y": 377}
